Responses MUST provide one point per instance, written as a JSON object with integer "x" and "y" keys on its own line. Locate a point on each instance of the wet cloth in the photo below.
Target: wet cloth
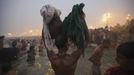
{"x": 75, "y": 28}
{"x": 48, "y": 12}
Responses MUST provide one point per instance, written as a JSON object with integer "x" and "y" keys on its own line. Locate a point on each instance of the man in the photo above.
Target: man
{"x": 97, "y": 55}
{"x": 131, "y": 30}
{"x": 53, "y": 35}
{"x": 63, "y": 63}
{"x": 31, "y": 55}
{"x": 7, "y": 55}
{"x": 125, "y": 60}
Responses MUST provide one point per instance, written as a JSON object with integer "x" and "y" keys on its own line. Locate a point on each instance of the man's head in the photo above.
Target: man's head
{"x": 62, "y": 44}
{"x": 1, "y": 41}
{"x": 106, "y": 43}
{"x": 125, "y": 56}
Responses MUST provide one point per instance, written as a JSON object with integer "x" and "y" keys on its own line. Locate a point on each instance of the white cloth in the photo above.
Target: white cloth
{"x": 48, "y": 12}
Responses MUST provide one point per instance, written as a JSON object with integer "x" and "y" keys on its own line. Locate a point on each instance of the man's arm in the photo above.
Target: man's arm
{"x": 95, "y": 56}
{"x": 50, "y": 53}
{"x": 75, "y": 55}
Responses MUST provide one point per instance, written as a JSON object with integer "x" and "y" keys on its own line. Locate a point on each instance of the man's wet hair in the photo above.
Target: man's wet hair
{"x": 60, "y": 42}
{"x": 126, "y": 49}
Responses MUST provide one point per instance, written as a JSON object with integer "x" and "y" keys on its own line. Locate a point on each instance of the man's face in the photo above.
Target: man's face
{"x": 127, "y": 64}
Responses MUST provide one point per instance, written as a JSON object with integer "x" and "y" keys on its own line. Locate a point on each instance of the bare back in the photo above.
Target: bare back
{"x": 64, "y": 65}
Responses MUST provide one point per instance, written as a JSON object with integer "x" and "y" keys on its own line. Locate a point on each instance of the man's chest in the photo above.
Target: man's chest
{"x": 63, "y": 63}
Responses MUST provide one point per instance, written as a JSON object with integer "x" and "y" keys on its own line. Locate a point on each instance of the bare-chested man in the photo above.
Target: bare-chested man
{"x": 63, "y": 63}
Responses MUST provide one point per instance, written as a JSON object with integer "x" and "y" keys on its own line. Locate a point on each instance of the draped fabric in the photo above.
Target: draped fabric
{"x": 75, "y": 28}
{"x": 48, "y": 12}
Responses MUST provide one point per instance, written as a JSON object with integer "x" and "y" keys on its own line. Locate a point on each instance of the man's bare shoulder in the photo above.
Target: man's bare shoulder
{"x": 67, "y": 60}
{"x": 52, "y": 56}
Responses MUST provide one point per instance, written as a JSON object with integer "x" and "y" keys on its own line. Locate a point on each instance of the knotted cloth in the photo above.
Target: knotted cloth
{"x": 75, "y": 28}
{"x": 47, "y": 12}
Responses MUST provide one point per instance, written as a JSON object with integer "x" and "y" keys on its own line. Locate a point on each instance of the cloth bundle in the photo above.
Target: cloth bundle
{"x": 47, "y": 12}
{"x": 75, "y": 28}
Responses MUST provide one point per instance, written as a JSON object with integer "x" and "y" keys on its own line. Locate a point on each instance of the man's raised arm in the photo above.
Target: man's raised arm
{"x": 50, "y": 53}
{"x": 75, "y": 55}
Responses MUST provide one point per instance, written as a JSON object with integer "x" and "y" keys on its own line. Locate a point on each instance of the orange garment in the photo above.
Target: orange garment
{"x": 96, "y": 56}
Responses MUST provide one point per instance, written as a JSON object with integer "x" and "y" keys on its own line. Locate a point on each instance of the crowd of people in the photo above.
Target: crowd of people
{"x": 124, "y": 57}
{"x": 117, "y": 34}
{"x": 17, "y": 48}
{"x": 62, "y": 62}
{"x": 13, "y": 49}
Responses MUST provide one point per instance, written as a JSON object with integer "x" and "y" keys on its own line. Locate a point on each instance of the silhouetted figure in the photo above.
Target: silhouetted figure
{"x": 125, "y": 60}
{"x": 31, "y": 55}
{"x": 97, "y": 55}
{"x": 7, "y": 56}
{"x": 131, "y": 30}
{"x": 63, "y": 63}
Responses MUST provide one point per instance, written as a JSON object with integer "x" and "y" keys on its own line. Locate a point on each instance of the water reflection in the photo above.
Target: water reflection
{"x": 49, "y": 70}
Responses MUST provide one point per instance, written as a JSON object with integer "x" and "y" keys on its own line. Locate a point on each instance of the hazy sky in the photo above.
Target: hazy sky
{"x": 17, "y": 16}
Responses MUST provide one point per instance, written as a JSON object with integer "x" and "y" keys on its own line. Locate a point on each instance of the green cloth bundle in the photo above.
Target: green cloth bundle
{"x": 75, "y": 28}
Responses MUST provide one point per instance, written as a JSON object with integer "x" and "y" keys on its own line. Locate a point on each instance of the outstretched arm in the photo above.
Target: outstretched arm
{"x": 96, "y": 56}
{"x": 75, "y": 55}
{"x": 50, "y": 53}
